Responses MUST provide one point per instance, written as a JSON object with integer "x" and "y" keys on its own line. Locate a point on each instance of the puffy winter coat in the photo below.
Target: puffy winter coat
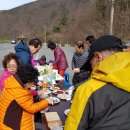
{"x": 60, "y": 59}
{"x": 103, "y": 102}
{"x": 23, "y": 52}
{"x": 17, "y": 107}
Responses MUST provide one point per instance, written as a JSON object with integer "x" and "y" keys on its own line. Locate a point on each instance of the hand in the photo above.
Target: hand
{"x": 76, "y": 70}
{"x": 50, "y": 100}
{"x": 40, "y": 92}
{"x": 40, "y": 83}
{"x": 50, "y": 64}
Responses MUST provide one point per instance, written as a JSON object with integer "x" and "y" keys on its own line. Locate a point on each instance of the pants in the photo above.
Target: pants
{"x": 60, "y": 72}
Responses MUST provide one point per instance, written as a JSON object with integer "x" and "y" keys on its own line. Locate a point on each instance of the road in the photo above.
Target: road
{"x": 7, "y": 48}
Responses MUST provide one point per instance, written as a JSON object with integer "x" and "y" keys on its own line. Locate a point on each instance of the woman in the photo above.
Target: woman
{"x": 10, "y": 64}
{"x": 17, "y": 107}
{"x": 60, "y": 63}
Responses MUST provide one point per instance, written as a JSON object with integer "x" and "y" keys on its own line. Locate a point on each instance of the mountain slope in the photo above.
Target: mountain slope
{"x": 64, "y": 20}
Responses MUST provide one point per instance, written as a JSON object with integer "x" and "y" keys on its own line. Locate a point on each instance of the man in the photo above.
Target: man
{"x": 89, "y": 39}
{"x": 127, "y": 46}
{"x": 79, "y": 59}
{"x": 25, "y": 52}
{"x": 103, "y": 102}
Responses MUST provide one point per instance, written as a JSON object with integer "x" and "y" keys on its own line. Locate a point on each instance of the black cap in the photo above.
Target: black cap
{"x": 104, "y": 43}
{"x": 101, "y": 44}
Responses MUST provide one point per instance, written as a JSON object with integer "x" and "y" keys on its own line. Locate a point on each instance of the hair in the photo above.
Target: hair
{"x": 79, "y": 44}
{"x": 27, "y": 73}
{"x": 90, "y": 38}
{"x": 8, "y": 58}
{"x": 51, "y": 45}
{"x": 35, "y": 42}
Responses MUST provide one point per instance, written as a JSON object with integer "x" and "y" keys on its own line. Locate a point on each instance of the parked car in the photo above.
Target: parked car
{"x": 13, "y": 41}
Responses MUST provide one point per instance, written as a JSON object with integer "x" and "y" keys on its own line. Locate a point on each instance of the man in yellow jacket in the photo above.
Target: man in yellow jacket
{"x": 17, "y": 107}
{"x": 103, "y": 102}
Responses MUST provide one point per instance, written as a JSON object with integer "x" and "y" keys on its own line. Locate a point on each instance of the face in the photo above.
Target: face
{"x": 78, "y": 50}
{"x": 12, "y": 66}
{"x": 98, "y": 57}
{"x": 34, "y": 50}
{"x": 93, "y": 62}
{"x": 126, "y": 49}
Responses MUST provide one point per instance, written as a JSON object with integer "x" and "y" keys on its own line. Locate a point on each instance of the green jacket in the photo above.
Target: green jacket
{"x": 103, "y": 102}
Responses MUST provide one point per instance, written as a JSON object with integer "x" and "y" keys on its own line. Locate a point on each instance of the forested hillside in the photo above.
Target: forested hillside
{"x": 65, "y": 20}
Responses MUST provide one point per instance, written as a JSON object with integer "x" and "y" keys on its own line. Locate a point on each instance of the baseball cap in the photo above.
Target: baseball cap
{"x": 104, "y": 43}
{"x": 101, "y": 44}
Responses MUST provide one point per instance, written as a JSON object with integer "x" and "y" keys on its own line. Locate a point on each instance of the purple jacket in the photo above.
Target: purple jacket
{"x": 4, "y": 76}
{"x": 33, "y": 62}
{"x": 60, "y": 59}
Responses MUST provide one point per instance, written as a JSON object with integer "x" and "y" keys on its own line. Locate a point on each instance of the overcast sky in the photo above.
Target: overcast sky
{"x": 9, "y": 4}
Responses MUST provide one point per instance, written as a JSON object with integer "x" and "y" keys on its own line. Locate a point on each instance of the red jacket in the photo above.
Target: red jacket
{"x": 60, "y": 59}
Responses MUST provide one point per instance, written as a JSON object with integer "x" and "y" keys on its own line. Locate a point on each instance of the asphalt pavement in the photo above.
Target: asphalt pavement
{"x": 69, "y": 51}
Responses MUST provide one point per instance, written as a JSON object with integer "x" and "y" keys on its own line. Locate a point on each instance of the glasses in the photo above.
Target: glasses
{"x": 11, "y": 66}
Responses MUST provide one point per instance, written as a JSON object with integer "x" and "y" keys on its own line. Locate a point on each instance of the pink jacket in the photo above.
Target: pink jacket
{"x": 7, "y": 74}
{"x": 33, "y": 62}
{"x": 4, "y": 76}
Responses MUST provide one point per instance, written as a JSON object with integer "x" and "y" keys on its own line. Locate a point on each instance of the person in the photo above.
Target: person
{"x": 17, "y": 107}
{"x": 78, "y": 60}
{"x": 10, "y": 65}
{"x": 126, "y": 45}
{"x": 26, "y": 52}
{"x": 103, "y": 102}
{"x": 60, "y": 63}
{"x": 89, "y": 39}
{"x": 42, "y": 60}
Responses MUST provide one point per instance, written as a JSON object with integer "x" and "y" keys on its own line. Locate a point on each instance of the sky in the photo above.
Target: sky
{"x": 9, "y": 4}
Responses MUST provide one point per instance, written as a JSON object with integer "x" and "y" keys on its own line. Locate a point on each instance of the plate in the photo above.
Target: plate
{"x": 58, "y": 92}
{"x": 55, "y": 100}
{"x": 58, "y": 77}
{"x": 63, "y": 96}
{"x": 55, "y": 88}
{"x": 46, "y": 91}
{"x": 43, "y": 96}
{"x": 71, "y": 88}
{"x": 66, "y": 112}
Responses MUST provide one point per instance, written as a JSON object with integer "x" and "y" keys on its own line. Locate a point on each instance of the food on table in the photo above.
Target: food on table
{"x": 46, "y": 91}
{"x": 45, "y": 85}
{"x": 56, "y": 100}
{"x": 41, "y": 72}
{"x": 58, "y": 92}
{"x": 54, "y": 88}
{"x": 58, "y": 76}
{"x": 63, "y": 96}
